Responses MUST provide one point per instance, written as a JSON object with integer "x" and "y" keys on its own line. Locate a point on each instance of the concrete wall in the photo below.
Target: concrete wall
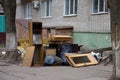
{"x": 92, "y": 40}
{"x": 85, "y": 21}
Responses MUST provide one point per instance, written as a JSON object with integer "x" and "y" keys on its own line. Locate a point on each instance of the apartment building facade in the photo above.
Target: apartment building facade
{"x": 90, "y": 18}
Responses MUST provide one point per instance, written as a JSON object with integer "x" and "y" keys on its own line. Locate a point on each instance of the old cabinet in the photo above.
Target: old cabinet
{"x": 35, "y": 37}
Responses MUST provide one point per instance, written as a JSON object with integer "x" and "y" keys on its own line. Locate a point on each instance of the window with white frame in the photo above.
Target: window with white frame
{"x": 100, "y": 6}
{"x": 46, "y": 8}
{"x": 28, "y": 10}
{"x": 70, "y": 7}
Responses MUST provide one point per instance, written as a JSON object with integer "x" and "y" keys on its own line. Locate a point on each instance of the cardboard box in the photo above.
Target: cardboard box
{"x": 50, "y": 51}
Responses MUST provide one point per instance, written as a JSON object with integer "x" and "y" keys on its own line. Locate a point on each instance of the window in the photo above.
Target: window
{"x": 46, "y": 8}
{"x": 78, "y": 60}
{"x": 70, "y": 7}
{"x": 100, "y": 6}
{"x": 28, "y": 11}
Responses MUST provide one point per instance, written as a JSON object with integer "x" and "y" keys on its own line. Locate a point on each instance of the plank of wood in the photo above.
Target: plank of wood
{"x": 61, "y": 38}
{"x": 28, "y": 56}
{"x": 30, "y": 33}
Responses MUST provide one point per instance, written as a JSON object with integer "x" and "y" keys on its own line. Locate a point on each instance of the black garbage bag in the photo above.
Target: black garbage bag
{"x": 65, "y": 48}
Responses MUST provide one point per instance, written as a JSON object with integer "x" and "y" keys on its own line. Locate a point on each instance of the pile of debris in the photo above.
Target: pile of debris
{"x": 66, "y": 56}
{"x": 13, "y": 57}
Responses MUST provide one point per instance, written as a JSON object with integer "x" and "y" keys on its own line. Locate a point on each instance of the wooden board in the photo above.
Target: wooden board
{"x": 77, "y": 60}
{"x": 61, "y": 38}
{"x": 64, "y": 30}
{"x": 30, "y": 33}
{"x": 28, "y": 56}
{"x": 38, "y": 56}
{"x": 50, "y": 51}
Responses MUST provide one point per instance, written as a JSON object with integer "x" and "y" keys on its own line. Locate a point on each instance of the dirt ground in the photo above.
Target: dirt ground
{"x": 18, "y": 72}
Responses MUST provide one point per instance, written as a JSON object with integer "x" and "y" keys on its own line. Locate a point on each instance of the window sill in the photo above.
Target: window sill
{"x": 28, "y": 18}
{"x": 100, "y": 13}
{"x": 46, "y": 17}
{"x": 71, "y": 15}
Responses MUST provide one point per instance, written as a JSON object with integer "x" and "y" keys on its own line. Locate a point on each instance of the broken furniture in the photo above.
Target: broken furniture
{"x": 35, "y": 38}
{"x": 53, "y": 37}
{"x": 28, "y": 59}
{"x": 78, "y": 60}
{"x": 61, "y": 38}
{"x": 57, "y": 34}
{"x": 50, "y": 51}
{"x": 105, "y": 58}
{"x": 39, "y": 37}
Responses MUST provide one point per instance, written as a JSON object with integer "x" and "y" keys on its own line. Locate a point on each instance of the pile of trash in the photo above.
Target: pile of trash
{"x": 79, "y": 58}
{"x": 60, "y": 57}
{"x": 13, "y": 57}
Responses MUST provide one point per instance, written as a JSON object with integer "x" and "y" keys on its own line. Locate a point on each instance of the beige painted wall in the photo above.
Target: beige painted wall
{"x": 85, "y": 21}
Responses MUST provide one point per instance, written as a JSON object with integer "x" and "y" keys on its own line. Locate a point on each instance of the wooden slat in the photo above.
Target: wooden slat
{"x": 30, "y": 33}
{"x": 29, "y": 56}
{"x": 61, "y": 38}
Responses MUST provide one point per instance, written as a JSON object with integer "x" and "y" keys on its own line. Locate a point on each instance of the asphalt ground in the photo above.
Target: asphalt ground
{"x": 18, "y": 72}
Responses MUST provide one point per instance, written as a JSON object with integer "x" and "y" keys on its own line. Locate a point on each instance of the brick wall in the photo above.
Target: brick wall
{"x": 22, "y": 29}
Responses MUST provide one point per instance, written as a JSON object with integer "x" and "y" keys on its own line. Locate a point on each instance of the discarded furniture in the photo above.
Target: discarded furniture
{"x": 54, "y": 37}
{"x": 50, "y": 51}
{"x": 35, "y": 39}
{"x": 57, "y": 34}
{"x": 61, "y": 38}
{"x": 78, "y": 60}
{"x": 29, "y": 56}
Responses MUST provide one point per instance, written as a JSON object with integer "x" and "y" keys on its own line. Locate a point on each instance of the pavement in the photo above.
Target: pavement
{"x": 18, "y": 72}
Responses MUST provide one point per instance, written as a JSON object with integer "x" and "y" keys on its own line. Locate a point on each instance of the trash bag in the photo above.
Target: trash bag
{"x": 97, "y": 56}
{"x": 49, "y": 60}
{"x": 65, "y": 48}
{"x": 52, "y": 59}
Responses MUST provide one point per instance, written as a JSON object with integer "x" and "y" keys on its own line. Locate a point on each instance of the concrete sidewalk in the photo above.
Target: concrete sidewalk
{"x": 97, "y": 79}
{"x": 16, "y": 72}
